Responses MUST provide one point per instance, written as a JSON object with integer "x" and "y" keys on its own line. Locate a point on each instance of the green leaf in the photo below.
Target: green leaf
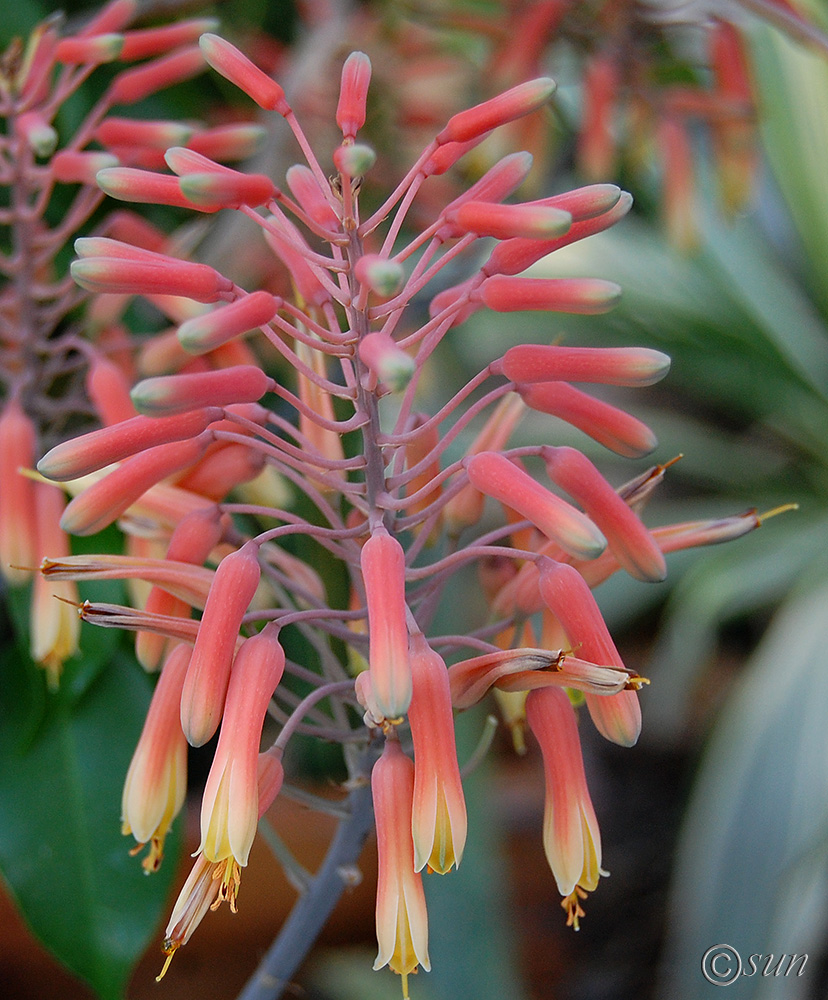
{"x": 752, "y": 867}
{"x": 61, "y": 849}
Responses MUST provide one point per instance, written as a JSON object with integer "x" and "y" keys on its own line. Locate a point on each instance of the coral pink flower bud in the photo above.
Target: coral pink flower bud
{"x": 629, "y": 541}
{"x": 147, "y": 42}
{"x": 402, "y": 921}
{"x": 228, "y": 142}
{"x": 587, "y": 296}
{"x": 115, "y": 131}
{"x": 18, "y": 527}
{"x": 36, "y": 132}
{"x": 134, "y": 85}
{"x": 168, "y": 394}
{"x": 633, "y": 366}
{"x": 194, "y": 281}
{"x": 126, "y": 226}
{"x": 69, "y": 167}
{"x": 355, "y": 160}
{"x": 287, "y": 250}
{"x": 381, "y": 275}
{"x": 227, "y": 60}
{"x": 585, "y": 202}
{"x": 105, "y": 500}
{"x": 496, "y": 184}
{"x": 145, "y": 187}
{"x": 497, "y": 477}
{"x": 438, "y": 823}
{"x": 566, "y": 594}
{"x": 382, "y": 561}
{"x": 305, "y": 189}
{"x": 108, "y": 390}
{"x": 507, "y": 221}
{"x": 515, "y": 103}
{"x": 389, "y": 362}
{"x": 156, "y": 783}
{"x": 202, "y": 700}
{"x": 571, "y": 837}
{"x": 212, "y": 329}
{"x": 193, "y": 539}
{"x": 91, "y": 50}
{"x": 611, "y": 427}
{"x": 92, "y": 451}
{"x": 353, "y": 93}
{"x": 230, "y": 805}
{"x": 515, "y": 255}
{"x": 678, "y": 198}
{"x": 227, "y": 189}
{"x": 55, "y": 626}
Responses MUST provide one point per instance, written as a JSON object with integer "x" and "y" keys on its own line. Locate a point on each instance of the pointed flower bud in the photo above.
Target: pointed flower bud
{"x": 353, "y": 93}
{"x": 586, "y": 296}
{"x": 92, "y": 50}
{"x": 305, "y": 189}
{"x": 227, "y": 60}
{"x": 97, "y": 449}
{"x": 566, "y": 594}
{"x": 168, "y": 394}
{"x": 628, "y": 539}
{"x": 355, "y": 160}
{"x": 438, "y": 825}
{"x": 389, "y": 362}
{"x": 507, "y": 221}
{"x": 633, "y": 366}
{"x": 515, "y": 103}
{"x": 495, "y": 476}
{"x": 70, "y": 167}
{"x": 571, "y": 837}
{"x": 230, "y": 805}
{"x": 114, "y": 131}
{"x": 232, "y": 590}
{"x": 604, "y": 423}
{"x": 383, "y": 276}
{"x": 150, "y": 277}
{"x": 212, "y": 329}
{"x": 382, "y": 561}
{"x": 134, "y": 85}
{"x": 36, "y": 132}
{"x": 105, "y": 500}
{"x": 108, "y": 390}
{"x": 145, "y": 42}
{"x": 230, "y": 189}
{"x": 156, "y": 783}
{"x": 145, "y": 187}
{"x": 402, "y": 920}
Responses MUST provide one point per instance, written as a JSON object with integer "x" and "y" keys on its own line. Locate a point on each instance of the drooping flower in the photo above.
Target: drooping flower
{"x": 571, "y": 837}
{"x": 402, "y": 921}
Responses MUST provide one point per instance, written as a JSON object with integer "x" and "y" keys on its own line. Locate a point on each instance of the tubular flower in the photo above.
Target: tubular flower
{"x": 438, "y": 822}
{"x": 402, "y": 922}
{"x": 205, "y": 888}
{"x": 571, "y": 837}
{"x": 156, "y": 783}
{"x": 229, "y": 808}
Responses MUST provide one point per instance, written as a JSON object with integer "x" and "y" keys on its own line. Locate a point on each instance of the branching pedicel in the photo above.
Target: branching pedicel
{"x": 381, "y": 508}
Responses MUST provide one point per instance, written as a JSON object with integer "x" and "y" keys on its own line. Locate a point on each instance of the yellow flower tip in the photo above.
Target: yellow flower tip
{"x": 169, "y": 948}
{"x": 781, "y": 509}
{"x": 635, "y": 682}
{"x": 572, "y": 905}
{"x": 230, "y": 875}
